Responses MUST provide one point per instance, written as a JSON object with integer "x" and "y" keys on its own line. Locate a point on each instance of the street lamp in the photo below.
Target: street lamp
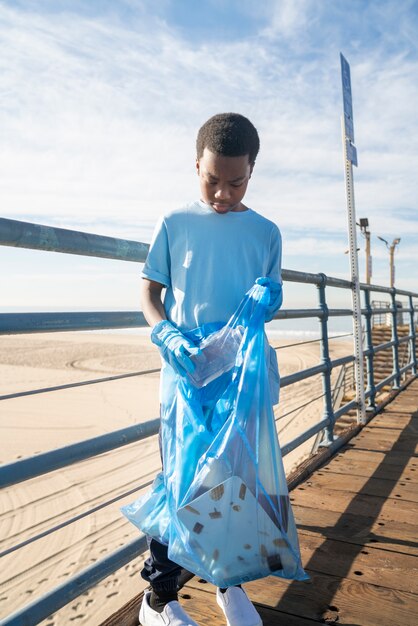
{"x": 391, "y": 249}
{"x": 364, "y": 227}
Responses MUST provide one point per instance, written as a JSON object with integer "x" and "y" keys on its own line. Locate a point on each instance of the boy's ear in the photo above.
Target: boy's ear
{"x": 197, "y": 166}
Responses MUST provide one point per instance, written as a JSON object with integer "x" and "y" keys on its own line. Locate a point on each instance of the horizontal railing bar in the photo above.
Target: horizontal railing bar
{"x": 295, "y": 443}
{"x": 403, "y": 292}
{"x": 315, "y": 279}
{"x": 72, "y": 520}
{"x": 343, "y": 360}
{"x": 405, "y": 339}
{"x": 313, "y": 371}
{"x": 287, "y": 314}
{"x": 53, "y": 600}
{"x": 15, "y": 323}
{"x": 302, "y": 375}
{"x": 341, "y": 283}
{"x": 377, "y": 311}
{"x": 379, "y": 288}
{"x": 95, "y": 381}
{"x": 380, "y": 347}
{"x": 344, "y": 409}
{"x": 24, "y": 469}
{"x": 294, "y": 276}
{"x": 390, "y": 290}
{"x": 385, "y": 381}
{"x": 407, "y": 367}
{"x": 339, "y": 312}
{"x": 48, "y": 238}
{"x": 305, "y": 313}
{"x": 386, "y": 310}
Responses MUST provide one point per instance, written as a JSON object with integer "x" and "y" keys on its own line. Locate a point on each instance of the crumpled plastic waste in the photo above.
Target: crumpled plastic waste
{"x": 218, "y": 353}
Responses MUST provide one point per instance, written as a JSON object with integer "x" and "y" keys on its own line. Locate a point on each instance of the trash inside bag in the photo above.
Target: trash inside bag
{"x": 218, "y": 353}
{"x": 221, "y": 503}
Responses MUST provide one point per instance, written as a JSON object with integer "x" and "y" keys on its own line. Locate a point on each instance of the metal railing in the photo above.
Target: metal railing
{"x": 37, "y": 237}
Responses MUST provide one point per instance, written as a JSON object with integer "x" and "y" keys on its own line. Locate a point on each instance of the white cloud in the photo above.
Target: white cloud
{"x": 287, "y": 18}
{"x": 100, "y": 116}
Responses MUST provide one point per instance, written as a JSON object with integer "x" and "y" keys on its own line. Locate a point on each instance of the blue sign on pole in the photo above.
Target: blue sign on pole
{"x": 348, "y": 110}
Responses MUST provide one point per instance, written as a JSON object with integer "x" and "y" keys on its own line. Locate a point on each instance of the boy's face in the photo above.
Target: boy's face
{"x": 223, "y": 180}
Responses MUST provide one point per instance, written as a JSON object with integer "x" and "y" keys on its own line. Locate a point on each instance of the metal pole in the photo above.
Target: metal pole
{"x": 325, "y": 359}
{"x": 371, "y": 405}
{"x": 392, "y": 265}
{"x": 368, "y": 258}
{"x": 413, "y": 334}
{"x": 395, "y": 339}
{"x": 350, "y": 157}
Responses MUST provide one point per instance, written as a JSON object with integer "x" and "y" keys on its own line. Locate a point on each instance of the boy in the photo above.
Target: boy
{"x": 207, "y": 255}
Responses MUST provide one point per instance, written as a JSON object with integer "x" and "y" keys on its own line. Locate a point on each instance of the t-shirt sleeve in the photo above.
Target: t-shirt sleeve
{"x": 275, "y": 273}
{"x": 157, "y": 266}
{"x": 275, "y": 261}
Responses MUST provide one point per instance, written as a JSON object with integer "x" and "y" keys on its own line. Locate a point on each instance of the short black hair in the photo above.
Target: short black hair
{"x": 228, "y": 134}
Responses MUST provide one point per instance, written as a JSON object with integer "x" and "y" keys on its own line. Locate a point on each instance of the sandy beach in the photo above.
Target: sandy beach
{"x": 39, "y": 422}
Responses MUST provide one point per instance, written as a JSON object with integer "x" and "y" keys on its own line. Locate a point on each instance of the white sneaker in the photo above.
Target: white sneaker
{"x": 238, "y": 608}
{"x": 173, "y": 614}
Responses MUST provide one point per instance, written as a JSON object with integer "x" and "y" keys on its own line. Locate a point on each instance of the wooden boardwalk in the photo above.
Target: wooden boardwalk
{"x": 358, "y": 527}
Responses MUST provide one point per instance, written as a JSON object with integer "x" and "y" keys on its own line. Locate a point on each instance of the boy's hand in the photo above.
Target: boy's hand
{"x": 174, "y": 347}
{"x": 276, "y": 295}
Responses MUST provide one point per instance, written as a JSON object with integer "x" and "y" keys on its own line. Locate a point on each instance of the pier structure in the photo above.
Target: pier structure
{"x": 354, "y": 498}
{"x": 357, "y": 518}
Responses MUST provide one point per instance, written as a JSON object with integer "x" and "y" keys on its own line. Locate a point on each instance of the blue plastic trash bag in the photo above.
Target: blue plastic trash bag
{"x": 221, "y": 503}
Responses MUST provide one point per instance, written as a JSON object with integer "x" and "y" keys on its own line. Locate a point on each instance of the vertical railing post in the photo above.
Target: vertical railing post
{"x": 371, "y": 405}
{"x": 325, "y": 359}
{"x": 413, "y": 334}
{"x": 395, "y": 347}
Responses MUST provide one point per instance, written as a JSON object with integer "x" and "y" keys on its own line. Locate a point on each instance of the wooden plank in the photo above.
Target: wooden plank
{"x": 394, "y": 424}
{"x": 346, "y": 601}
{"x": 127, "y": 615}
{"x": 381, "y": 509}
{"x": 330, "y": 598}
{"x": 375, "y": 467}
{"x": 360, "y": 530}
{"x": 372, "y": 456}
{"x": 367, "y": 485}
{"x": 401, "y": 421}
{"x": 356, "y": 562}
{"x": 386, "y": 433}
{"x": 199, "y": 600}
{"x": 195, "y": 599}
{"x": 370, "y": 442}
{"x": 393, "y": 435}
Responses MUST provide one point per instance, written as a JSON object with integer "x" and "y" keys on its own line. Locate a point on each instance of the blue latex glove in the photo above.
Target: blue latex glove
{"x": 174, "y": 347}
{"x": 276, "y": 295}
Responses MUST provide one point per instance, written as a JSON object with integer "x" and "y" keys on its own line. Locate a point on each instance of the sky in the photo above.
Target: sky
{"x": 101, "y": 102}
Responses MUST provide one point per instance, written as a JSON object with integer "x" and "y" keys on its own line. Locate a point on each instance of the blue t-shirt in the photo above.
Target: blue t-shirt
{"x": 208, "y": 261}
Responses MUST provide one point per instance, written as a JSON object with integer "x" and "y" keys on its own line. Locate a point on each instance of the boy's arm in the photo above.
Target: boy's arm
{"x": 172, "y": 344}
{"x": 151, "y": 303}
